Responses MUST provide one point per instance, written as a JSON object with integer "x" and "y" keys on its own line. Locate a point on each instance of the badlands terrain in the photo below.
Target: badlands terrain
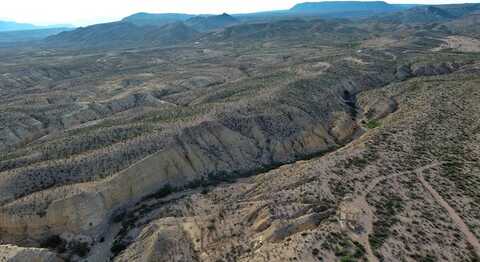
{"x": 227, "y": 139}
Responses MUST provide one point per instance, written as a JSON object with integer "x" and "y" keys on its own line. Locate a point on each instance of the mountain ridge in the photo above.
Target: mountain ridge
{"x": 207, "y": 23}
{"x": 430, "y": 13}
{"x": 123, "y": 34}
{"x": 172, "y": 28}
{"x": 6, "y": 26}
{"x": 144, "y": 18}
{"x": 347, "y": 6}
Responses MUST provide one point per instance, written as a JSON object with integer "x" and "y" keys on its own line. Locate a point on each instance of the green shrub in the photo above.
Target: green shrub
{"x": 347, "y": 259}
{"x": 372, "y": 124}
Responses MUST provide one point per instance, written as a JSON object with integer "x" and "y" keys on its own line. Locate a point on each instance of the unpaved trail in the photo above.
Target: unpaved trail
{"x": 367, "y": 220}
{"x": 360, "y": 201}
{"x": 462, "y": 226}
{"x": 377, "y": 180}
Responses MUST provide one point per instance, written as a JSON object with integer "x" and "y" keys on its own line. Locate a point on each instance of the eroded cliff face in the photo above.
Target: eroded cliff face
{"x": 19, "y": 254}
{"x": 198, "y": 153}
{"x": 230, "y": 146}
{"x": 360, "y": 201}
{"x": 165, "y": 240}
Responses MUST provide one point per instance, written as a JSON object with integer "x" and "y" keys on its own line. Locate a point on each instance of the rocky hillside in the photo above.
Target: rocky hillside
{"x": 209, "y": 23}
{"x": 29, "y": 35}
{"x": 373, "y": 200}
{"x": 431, "y": 14}
{"x": 142, "y": 19}
{"x": 122, "y": 34}
{"x": 292, "y": 140}
{"x": 350, "y": 9}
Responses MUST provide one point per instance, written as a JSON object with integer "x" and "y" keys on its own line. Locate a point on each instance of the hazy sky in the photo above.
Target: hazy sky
{"x": 82, "y": 12}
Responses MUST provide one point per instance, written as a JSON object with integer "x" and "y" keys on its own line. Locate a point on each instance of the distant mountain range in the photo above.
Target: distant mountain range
{"x": 349, "y": 8}
{"x": 208, "y": 23}
{"x": 173, "y": 28}
{"x": 338, "y": 9}
{"x": 12, "y": 32}
{"x": 430, "y": 14}
{"x": 29, "y": 35}
{"x": 123, "y": 34}
{"x": 200, "y": 23}
{"x": 149, "y": 29}
{"x": 14, "y": 26}
{"x": 142, "y": 19}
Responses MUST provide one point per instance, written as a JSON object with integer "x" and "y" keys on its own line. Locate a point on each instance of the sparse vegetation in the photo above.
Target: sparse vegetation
{"x": 387, "y": 213}
{"x": 372, "y": 124}
{"x": 248, "y": 143}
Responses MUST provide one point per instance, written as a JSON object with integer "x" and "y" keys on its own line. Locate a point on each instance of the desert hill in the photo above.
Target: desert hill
{"x": 215, "y": 138}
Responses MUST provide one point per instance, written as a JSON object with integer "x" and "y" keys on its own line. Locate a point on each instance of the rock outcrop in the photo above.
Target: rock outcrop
{"x": 10, "y": 253}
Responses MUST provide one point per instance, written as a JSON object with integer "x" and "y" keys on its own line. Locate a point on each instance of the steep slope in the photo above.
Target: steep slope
{"x": 361, "y": 202}
{"x": 461, "y": 10}
{"x": 14, "y": 253}
{"x": 421, "y": 14}
{"x": 228, "y": 143}
{"x": 208, "y": 23}
{"x": 347, "y": 9}
{"x": 345, "y": 6}
{"x": 430, "y": 14}
{"x": 291, "y": 29}
{"x": 120, "y": 34}
{"x": 142, "y": 19}
{"x": 326, "y": 9}
{"x": 29, "y": 35}
{"x": 467, "y": 25}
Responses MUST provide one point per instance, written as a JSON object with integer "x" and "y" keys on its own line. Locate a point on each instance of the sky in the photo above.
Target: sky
{"x": 84, "y": 12}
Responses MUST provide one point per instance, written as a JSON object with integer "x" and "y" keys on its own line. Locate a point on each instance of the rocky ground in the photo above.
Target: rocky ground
{"x": 356, "y": 143}
{"x": 379, "y": 198}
